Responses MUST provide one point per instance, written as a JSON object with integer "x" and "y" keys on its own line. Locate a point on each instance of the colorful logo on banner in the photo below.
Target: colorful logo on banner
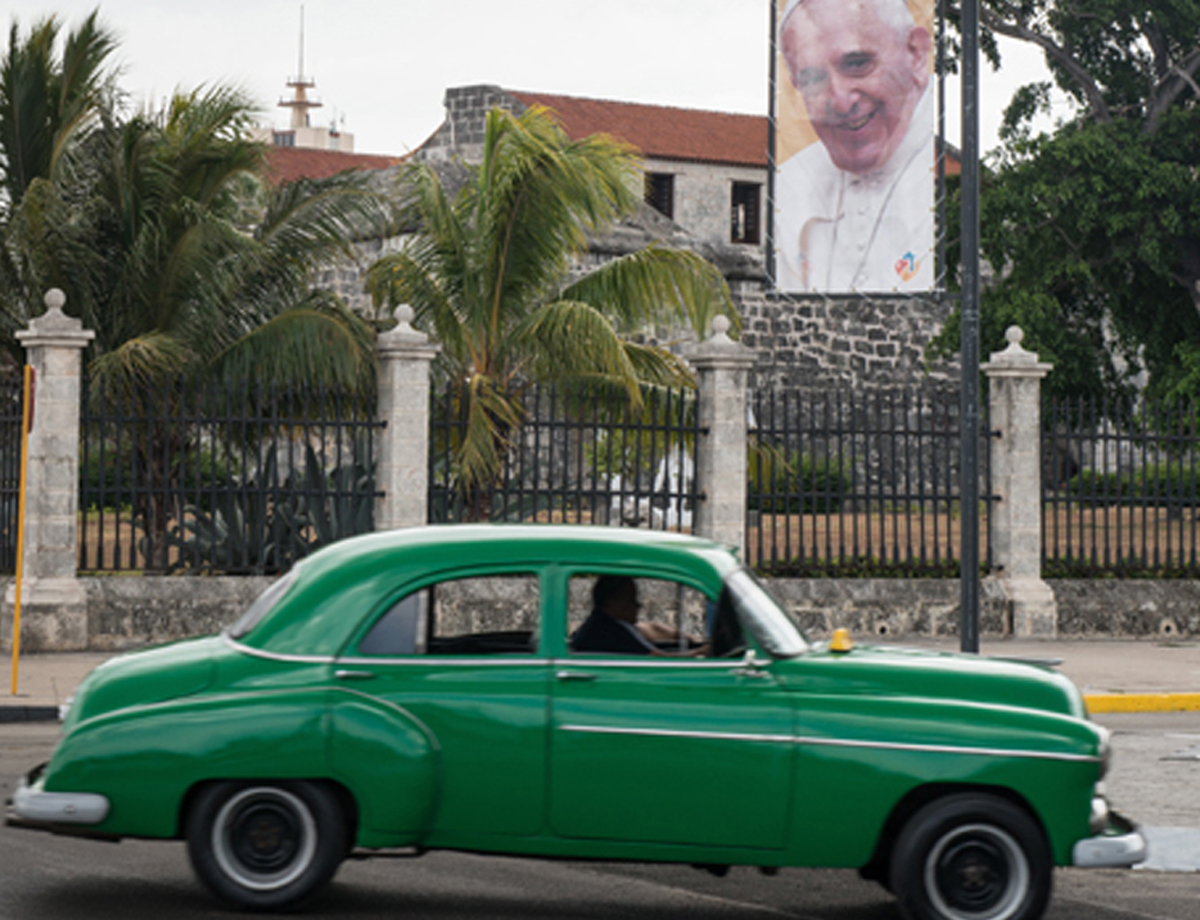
{"x": 907, "y": 266}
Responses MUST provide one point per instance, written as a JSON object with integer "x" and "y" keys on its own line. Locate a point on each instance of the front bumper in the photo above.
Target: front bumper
{"x": 1116, "y": 842}
{"x": 33, "y": 806}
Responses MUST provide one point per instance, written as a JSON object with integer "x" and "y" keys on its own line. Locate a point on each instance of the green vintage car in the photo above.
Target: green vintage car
{"x": 451, "y": 687}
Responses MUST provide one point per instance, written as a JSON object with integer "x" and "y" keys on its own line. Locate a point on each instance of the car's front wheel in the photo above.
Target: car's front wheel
{"x": 971, "y": 857}
{"x": 265, "y": 845}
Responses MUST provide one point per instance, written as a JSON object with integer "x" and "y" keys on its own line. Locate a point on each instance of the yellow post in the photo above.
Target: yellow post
{"x": 26, "y": 425}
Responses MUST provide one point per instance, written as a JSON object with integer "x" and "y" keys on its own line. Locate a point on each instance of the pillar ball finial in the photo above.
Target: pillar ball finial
{"x": 54, "y": 299}
{"x": 404, "y": 314}
{"x": 720, "y": 325}
{"x": 1014, "y": 334}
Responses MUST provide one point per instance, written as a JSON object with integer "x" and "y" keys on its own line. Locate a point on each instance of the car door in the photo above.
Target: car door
{"x": 672, "y": 750}
{"x": 461, "y": 656}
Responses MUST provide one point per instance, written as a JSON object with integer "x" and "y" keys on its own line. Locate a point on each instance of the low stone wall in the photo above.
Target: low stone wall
{"x": 128, "y": 612}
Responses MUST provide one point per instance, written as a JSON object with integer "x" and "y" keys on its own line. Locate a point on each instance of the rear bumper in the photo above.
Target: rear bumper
{"x": 33, "y": 806}
{"x": 1116, "y": 842}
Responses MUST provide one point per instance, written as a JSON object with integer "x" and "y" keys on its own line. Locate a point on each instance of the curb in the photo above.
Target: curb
{"x": 28, "y": 714}
{"x": 1142, "y": 702}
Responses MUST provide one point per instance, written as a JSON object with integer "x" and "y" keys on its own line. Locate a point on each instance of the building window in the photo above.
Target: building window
{"x": 744, "y": 211}
{"x": 285, "y": 138}
{"x": 660, "y": 193}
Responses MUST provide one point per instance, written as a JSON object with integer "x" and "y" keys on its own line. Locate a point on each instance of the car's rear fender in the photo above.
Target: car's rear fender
{"x": 145, "y": 758}
{"x": 388, "y": 759}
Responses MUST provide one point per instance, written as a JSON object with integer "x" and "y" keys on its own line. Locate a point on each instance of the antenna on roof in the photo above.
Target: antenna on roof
{"x": 300, "y": 104}
{"x": 301, "y": 73}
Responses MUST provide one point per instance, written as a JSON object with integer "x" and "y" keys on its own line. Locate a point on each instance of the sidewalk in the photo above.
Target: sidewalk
{"x": 1114, "y": 675}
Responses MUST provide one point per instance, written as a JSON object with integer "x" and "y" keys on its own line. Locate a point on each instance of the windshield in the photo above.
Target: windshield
{"x": 259, "y": 609}
{"x": 763, "y": 617}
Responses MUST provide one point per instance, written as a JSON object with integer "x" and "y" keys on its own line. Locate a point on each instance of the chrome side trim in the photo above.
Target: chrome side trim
{"x": 427, "y": 660}
{"x": 671, "y": 733}
{"x": 647, "y": 661}
{"x": 35, "y": 804}
{"x": 275, "y": 656}
{"x": 830, "y": 742}
{"x": 948, "y": 749}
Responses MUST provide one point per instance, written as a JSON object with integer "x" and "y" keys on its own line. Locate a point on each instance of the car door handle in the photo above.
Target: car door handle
{"x": 354, "y": 675}
{"x": 749, "y": 671}
{"x": 575, "y": 675}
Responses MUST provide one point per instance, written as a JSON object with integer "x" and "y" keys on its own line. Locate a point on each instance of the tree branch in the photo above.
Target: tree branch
{"x": 1179, "y": 78}
{"x": 1016, "y": 28}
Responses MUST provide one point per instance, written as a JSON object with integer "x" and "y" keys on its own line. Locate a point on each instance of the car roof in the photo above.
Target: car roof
{"x": 336, "y": 587}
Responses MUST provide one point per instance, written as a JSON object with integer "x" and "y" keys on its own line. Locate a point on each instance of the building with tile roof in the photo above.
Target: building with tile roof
{"x": 286, "y": 164}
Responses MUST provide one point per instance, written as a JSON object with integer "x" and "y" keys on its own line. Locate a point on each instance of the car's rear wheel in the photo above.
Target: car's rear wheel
{"x": 971, "y": 857}
{"x": 265, "y": 845}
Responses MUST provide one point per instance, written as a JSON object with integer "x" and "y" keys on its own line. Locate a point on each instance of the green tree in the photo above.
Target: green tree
{"x": 51, "y": 94}
{"x": 1094, "y": 229}
{"x": 174, "y": 250}
{"x": 490, "y": 273}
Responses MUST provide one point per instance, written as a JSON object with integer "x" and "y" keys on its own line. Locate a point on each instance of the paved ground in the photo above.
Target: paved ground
{"x": 63, "y": 878}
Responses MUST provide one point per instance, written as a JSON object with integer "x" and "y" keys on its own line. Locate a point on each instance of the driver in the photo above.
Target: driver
{"x": 612, "y": 625}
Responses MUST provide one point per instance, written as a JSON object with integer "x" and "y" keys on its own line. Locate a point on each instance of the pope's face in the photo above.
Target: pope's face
{"x": 861, "y": 78}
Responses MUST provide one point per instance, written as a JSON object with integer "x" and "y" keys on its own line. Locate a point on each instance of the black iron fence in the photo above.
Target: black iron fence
{"x": 1119, "y": 488}
{"x": 238, "y": 478}
{"x": 857, "y": 484}
{"x": 575, "y": 454}
{"x": 11, "y": 387}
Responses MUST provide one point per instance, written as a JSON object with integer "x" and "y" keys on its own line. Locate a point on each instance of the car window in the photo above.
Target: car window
{"x": 487, "y": 615}
{"x": 614, "y": 614}
{"x": 761, "y": 615}
{"x": 262, "y": 605}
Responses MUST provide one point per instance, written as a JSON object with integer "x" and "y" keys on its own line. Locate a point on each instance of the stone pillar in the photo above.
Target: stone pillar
{"x": 53, "y": 602}
{"x": 402, "y": 467}
{"x": 722, "y": 366}
{"x": 1015, "y": 380}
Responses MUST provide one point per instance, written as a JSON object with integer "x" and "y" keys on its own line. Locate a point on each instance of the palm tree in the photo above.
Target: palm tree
{"x": 168, "y": 242}
{"x": 186, "y": 265}
{"x": 48, "y": 102}
{"x": 489, "y": 273}
{"x": 46, "y": 99}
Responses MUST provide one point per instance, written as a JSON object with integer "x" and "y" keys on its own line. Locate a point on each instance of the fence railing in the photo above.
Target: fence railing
{"x": 845, "y": 484}
{"x": 234, "y": 478}
{"x": 11, "y": 386}
{"x": 1119, "y": 488}
{"x": 580, "y": 455}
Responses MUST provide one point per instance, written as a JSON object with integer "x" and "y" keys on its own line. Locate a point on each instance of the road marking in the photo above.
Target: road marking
{"x": 1142, "y": 702}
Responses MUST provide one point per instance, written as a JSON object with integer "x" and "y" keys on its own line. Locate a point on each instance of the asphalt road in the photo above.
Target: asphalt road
{"x": 55, "y": 878}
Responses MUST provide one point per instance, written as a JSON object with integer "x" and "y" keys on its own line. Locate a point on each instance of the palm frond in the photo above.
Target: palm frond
{"x": 657, "y": 286}
{"x": 139, "y": 367}
{"x": 319, "y": 341}
{"x": 492, "y": 417}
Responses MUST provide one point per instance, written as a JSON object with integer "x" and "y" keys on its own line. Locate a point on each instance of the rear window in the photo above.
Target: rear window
{"x": 262, "y": 606}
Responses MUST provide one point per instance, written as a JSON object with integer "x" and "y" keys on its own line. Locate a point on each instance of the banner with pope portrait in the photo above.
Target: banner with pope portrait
{"x": 854, "y": 117}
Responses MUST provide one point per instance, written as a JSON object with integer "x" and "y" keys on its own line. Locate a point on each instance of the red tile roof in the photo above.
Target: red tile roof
{"x": 663, "y": 132}
{"x": 669, "y": 133}
{"x": 285, "y": 164}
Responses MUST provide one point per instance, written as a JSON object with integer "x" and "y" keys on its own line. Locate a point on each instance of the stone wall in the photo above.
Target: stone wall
{"x": 130, "y": 612}
{"x": 461, "y": 134}
{"x": 824, "y": 341}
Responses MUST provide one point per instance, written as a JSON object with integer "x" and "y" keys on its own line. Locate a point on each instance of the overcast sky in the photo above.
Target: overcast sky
{"x": 384, "y": 65}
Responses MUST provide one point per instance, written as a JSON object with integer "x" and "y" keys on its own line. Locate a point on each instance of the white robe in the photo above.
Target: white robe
{"x": 837, "y": 231}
